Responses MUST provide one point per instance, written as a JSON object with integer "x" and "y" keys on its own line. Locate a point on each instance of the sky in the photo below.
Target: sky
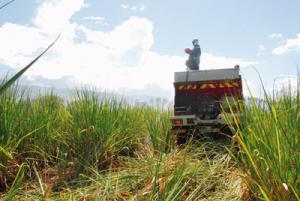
{"x": 124, "y": 46}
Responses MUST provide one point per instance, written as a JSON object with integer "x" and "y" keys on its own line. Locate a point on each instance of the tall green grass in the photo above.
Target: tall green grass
{"x": 25, "y": 121}
{"x": 178, "y": 175}
{"x": 269, "y": 136}
{"x": 88, "y": 132}
{"x": 6, "y": 154}
{"x": 158, "y": 126}
{"x": 101, "y": 129}
{"x": 103, "y": 147}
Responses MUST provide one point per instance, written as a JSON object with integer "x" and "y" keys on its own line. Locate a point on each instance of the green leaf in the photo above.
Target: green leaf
{"x": 25, "y": 136}
{"x": 6, "y": 4}
{"x": 6, "y": 153}
{"x": 7, "y": 84}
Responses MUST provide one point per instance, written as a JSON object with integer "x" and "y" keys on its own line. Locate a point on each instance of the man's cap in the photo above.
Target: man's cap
{"x": 195, "y": 41}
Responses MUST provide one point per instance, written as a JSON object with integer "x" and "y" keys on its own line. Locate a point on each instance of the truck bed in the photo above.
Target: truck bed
{"x": 206, "y": 75}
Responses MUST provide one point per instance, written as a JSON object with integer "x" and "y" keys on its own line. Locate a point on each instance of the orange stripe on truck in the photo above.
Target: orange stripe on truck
{"x": 212, "y": 86}
{"x": 236, "y": 84}
{"x": 203, "y": 86}
{"x": 188, "y": 87}
{"x": 181, "y": 87}
{"x": 208, "y": 86}
{"x": 228, "y": 84}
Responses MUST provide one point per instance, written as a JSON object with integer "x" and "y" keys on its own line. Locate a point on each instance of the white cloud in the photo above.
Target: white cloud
{"x": 127, "y": 43}
{"x": 19, "y": 42}
{"x": 125, "y": 6}
{"x": 275, "y": 35}
{"x": 142, "y": 8}
{"x": 210, "y": 61}
{"x": 133, "y": 7}
{"x": 292, "y": 44}
{"x": 96, "y": 19}
{"x": 114, "y": 60}
{"x": 261, "y": 47}
{"x": 54, "y": 15}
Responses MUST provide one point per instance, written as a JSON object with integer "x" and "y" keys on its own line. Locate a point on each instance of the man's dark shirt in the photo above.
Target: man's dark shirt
{"x": 196, "y": 51}
{"x": 194, "y": 58}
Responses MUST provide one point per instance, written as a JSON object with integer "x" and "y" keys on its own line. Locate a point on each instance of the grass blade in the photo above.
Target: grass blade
{"x": 6, "y": 4}
{"x": 21, "y": 72}
{"x": 6, "y": 153}
{"x": 25, "y": 136}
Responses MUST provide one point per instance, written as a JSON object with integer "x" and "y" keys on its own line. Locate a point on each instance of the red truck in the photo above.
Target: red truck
{"x": 202, "y": 99}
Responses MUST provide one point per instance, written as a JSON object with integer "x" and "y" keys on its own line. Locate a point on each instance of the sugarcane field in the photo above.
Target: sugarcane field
{"x": 149, "y": 100}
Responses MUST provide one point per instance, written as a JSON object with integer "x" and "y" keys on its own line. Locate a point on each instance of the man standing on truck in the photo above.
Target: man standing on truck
{"x": 194, "y": 59}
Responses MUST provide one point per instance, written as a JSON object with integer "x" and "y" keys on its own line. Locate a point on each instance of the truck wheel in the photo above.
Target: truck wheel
{"x": 227, "y": 131}
{"x": 181, "y": 139}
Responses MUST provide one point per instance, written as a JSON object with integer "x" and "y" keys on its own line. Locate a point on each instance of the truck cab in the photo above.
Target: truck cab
{"x": 203, "y": 97}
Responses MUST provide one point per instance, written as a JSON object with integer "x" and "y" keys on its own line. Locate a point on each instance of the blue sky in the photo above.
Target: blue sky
{"x": 137, "y": 44}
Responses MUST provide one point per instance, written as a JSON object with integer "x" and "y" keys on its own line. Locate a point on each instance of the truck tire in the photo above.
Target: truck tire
{"x": 227, "y": 131}
{"x": 182, "y": 139}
